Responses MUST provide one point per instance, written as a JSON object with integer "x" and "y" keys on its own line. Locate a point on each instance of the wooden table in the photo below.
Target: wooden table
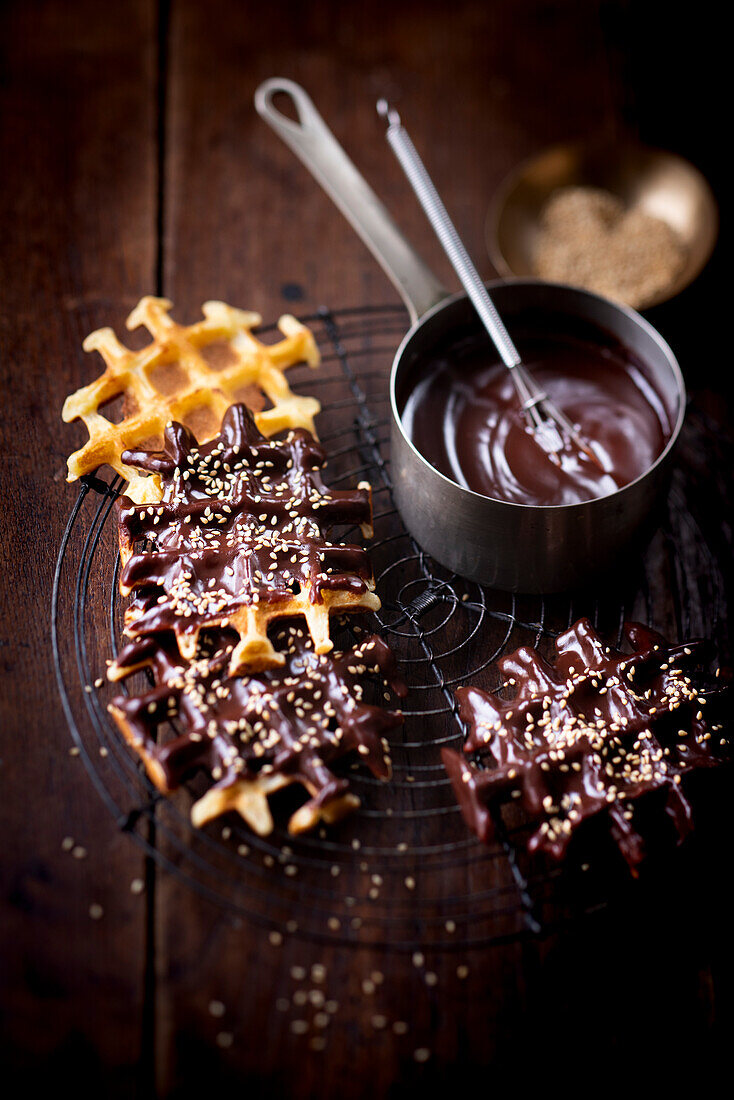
{"x": 133, "y": 162}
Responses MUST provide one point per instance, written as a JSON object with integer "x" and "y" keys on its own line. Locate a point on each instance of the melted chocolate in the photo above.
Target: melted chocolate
{"x": 461, "y": 411}
{"x": 292, "y": 721}
{"x": 591, "y": 733}
{"x": 242, "y": 520}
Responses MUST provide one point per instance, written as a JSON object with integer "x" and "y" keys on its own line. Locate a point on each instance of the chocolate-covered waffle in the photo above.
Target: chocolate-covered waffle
{"x": 241, "y": 539}
{"x": 254, "y": 735}
{"x": 595, "y": 732}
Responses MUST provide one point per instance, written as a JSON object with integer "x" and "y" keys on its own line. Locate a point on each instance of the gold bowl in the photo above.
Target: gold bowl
{"x": 659, "y": 183}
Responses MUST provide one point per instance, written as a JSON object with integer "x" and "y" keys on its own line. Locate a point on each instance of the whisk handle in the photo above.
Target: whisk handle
{"x": 444, "y": 228}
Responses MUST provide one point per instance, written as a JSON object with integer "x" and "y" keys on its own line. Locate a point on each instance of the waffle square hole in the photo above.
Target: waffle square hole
{"x": 202, "y": 421}
{"x": 168, "y": 378}
{"x": 219, "y": 355}
{"x": 119, "y": 407}
{"x": 252, "y": 396}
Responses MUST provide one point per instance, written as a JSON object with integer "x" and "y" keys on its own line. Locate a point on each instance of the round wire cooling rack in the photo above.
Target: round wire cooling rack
{"x": 403, "y": 870}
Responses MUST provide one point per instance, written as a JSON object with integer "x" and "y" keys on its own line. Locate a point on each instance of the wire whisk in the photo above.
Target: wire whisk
{"x": 550, "y": 426}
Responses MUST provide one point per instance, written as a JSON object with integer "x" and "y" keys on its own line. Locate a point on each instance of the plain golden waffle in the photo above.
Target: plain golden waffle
{"x": 191, "y": 374}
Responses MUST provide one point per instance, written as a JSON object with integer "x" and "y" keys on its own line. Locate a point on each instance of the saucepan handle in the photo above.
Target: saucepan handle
{"x": 313, "y": 142}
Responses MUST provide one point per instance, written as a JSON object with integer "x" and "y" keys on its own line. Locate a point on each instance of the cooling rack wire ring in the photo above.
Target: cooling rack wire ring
{"x": 403, "y": 872}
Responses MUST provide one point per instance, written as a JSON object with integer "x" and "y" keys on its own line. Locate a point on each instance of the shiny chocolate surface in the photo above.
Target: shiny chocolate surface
{"x": 460, "y": 409}
{"x": 594, "y": 731}
{"x": 243, "y": 520}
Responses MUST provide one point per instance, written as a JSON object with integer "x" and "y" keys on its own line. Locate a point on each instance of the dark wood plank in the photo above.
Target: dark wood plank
{"x": 78, "y": 206}
{"x": 245, "y": 222}
{"x": 244, "y": 218}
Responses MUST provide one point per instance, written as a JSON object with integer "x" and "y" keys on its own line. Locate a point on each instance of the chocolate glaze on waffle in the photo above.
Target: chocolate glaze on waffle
{"x": 243, "y": 522}
{"x": 591, "y": 733}
{"x": 289, "y": 723}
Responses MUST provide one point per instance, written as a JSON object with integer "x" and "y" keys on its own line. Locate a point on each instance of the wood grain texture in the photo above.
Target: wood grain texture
{"x": 78, "y": 211}
{"x": 243, "y": 220}
{"x": 135, "y": 163}
{"x": 243, "y": 217}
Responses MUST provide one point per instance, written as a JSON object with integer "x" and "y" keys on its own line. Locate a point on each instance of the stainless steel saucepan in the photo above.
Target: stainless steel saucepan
{"x": 514, "y": 547}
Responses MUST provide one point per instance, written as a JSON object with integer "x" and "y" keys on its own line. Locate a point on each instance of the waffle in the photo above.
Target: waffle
{"x": 595, "y": 733}
{"x": 253, "y": 736}
{"x": 191, "y": 374}
{"x": 241, "y": 540}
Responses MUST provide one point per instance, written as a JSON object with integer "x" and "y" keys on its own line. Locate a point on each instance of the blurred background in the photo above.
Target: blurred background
{"x": 134, "y": 129}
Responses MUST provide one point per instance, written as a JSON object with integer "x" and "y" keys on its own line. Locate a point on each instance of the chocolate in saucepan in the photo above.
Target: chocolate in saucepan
{"x": 460, "y": 409}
